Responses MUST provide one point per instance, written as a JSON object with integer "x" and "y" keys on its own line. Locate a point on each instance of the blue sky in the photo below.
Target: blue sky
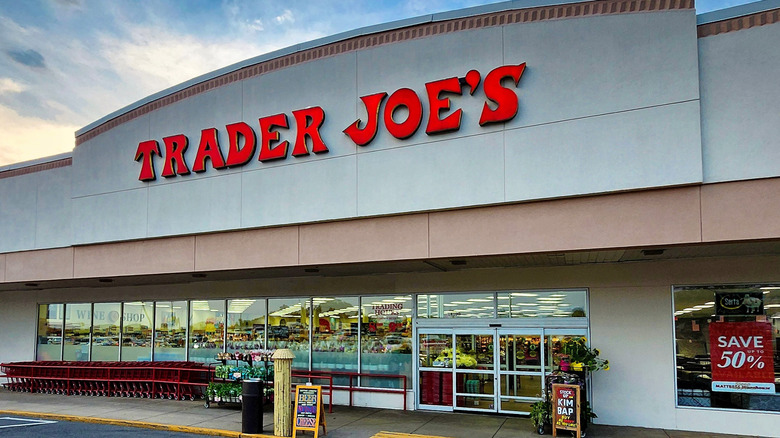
{"x": 67, "y": 63}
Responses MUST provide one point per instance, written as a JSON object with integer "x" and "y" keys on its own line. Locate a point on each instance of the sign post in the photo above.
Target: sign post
{"x": 308, "y": 410}
{"x": 566, "y": 408}
{"x": 742, "y": 357}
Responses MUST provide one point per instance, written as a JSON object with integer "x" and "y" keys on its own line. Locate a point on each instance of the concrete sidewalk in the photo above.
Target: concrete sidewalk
{"x": 344, "y": 422}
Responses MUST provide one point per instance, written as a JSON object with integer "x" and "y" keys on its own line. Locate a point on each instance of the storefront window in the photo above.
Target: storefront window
{"x": 78, "y": 322}
{"x": 137, "y": 331}
{"x": 207, "y": 330}
{"x": 105, "y": 331}
{"x": 456, "y": 305}
{"x": 288, "y": 327}
{"x": 386, "y": 340}
{"x": 535, "y": 304}
{"x": 50, "y": 318}
{"x": 726, "y": 346}
{"x": 245, "y": 325}
{"x": 170, "y": 330}
{"x": 335, "y": 338}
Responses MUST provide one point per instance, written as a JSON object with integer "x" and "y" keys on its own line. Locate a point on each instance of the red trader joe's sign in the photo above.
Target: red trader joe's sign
{"x": 239, "y": 143}
{"x": 742, "y": 357}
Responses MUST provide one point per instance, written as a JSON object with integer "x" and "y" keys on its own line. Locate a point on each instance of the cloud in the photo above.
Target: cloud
{"x": 10, "y": 86}
{"x": 28, "y": 138}
{"x": 29, "y": 57}
{"x": 285, "y": 17}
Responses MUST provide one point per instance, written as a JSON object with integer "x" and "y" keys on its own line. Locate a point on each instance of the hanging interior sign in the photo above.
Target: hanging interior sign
{"x": 742, "y": 357}
{"x": 308, "y": 410}
{"x": 739, "y": 303}
{"x": 566, "y": 408}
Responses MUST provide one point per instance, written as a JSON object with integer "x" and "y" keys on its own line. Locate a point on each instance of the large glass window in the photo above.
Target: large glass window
{"x": 726, "y": 346}
{"x": 170, "y": 330}
{"x": 288, "y": 327}
{"x": 457, "y": 305}
{"x": 137, "y": 331}
{"x": 207, "y": 330}
{"x": 536, "y": 304}
{"x": 50, "y": 317}
{"x": 245, "y": 325}
{"x": 335, "y": 339}
{"x": 78, "y": 322}
{"x": 105, "y": 331}
{"x": 386, "y": 340}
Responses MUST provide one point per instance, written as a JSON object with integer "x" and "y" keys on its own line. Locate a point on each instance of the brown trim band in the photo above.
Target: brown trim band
{"x": 739, "y": 23}
{"x": 604, "y": 7}
{"x": 65, "y": 162}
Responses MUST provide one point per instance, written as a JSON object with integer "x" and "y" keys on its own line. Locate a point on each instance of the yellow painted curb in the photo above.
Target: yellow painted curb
{"x": 402, "y": 435}
{"x": 140, "y": 424}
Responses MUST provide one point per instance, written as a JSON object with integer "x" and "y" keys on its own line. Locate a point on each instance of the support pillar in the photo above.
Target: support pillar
{"x": 282, "y": 392}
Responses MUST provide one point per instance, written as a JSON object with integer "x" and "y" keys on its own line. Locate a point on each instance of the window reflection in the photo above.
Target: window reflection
{"x": 386, "y": 339}
{"x": 245, "y": 325}
{"x": 335, "y": 342}
{"x": 207, "y": 329}
{"x": 457, "y": 305}
{"x": 105, "y": 331}
{"x": 288, "y": 327}
{"x": 170, "y": 330}
{"x": 50, "y": 317}
{"x": 137, "y": 331}
{"x": 78, "y": 321}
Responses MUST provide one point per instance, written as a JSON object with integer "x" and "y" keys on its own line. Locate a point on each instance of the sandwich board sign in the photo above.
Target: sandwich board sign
{"x": 566, "y": 408}
{"x": 308, "y": 410}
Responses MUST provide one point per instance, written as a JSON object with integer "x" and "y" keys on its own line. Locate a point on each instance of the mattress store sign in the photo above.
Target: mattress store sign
{"x": 245, "y": 144}
{"x": 742, "y": 358}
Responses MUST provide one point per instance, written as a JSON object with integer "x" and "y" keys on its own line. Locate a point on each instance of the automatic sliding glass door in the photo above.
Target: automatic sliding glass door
{"x": 475, "y": 371}
{"x": 521, "y": 361}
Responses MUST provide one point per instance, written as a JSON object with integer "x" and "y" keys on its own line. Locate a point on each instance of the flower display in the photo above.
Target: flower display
{"x": 581, "y": 357}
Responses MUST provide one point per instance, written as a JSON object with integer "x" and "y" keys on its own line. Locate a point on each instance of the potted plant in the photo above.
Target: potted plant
{"x": 541, "y": 416}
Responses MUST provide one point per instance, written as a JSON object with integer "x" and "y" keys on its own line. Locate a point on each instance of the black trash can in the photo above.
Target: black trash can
{"x": 252, "y": 406}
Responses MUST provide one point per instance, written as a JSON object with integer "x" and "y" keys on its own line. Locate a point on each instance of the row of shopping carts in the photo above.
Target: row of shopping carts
{"x": 164, "y": 379}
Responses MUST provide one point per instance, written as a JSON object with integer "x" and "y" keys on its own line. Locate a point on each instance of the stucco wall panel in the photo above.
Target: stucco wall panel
{"x": 391, "y": 238}
{"x": 739, "y": 95}
{"x": 657, "y": 146}
{"x": 464, "y": 171}
{"x": 18, "y": 212}
{"x": 2, "y": 267}
{"x": 105, "y": 163}
{"x": 740, "y": 210}
{"x": 195, "y": 205}
{"x": 18, "y": 323}
{"x": 588, "y": 66}
{"x": 135, "y": 258}
{"x": 318, "y": 190}
{"x": 53, "y": 206}
{"x": 247, "y": 249}
{"x": 45, "y": 264}
{"x": 110, "y": 217}
{"x": 659, "y": 217}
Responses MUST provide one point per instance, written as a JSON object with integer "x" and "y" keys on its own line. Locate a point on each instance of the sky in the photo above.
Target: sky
{"x": 66, "y": 63}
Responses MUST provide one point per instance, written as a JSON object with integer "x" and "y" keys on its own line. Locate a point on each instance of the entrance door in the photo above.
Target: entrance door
{"x": 475, "y": 371}
{"x": 521, "y": 358}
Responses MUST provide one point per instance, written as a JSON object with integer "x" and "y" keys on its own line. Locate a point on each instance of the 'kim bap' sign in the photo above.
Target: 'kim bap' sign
{"x": 264, "y": 142}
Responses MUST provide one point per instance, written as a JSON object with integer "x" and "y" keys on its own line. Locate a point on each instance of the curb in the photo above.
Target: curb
{"x": 139, "y": 424}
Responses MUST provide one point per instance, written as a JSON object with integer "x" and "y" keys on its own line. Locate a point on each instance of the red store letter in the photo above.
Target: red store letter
{"x": 146, "y": 149}
{"x": 208, "y": 148}
{"x": 437, "y": 105}
{"x": 238, "y": 155}
{"x": 308, "y": 123}
{"x": 175, "y": 146}
{"x": 504, "y": 98}
{"x": 268, "y": 137}
{"x": 362, "y": 137}
{"x": 408, "y": 98}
